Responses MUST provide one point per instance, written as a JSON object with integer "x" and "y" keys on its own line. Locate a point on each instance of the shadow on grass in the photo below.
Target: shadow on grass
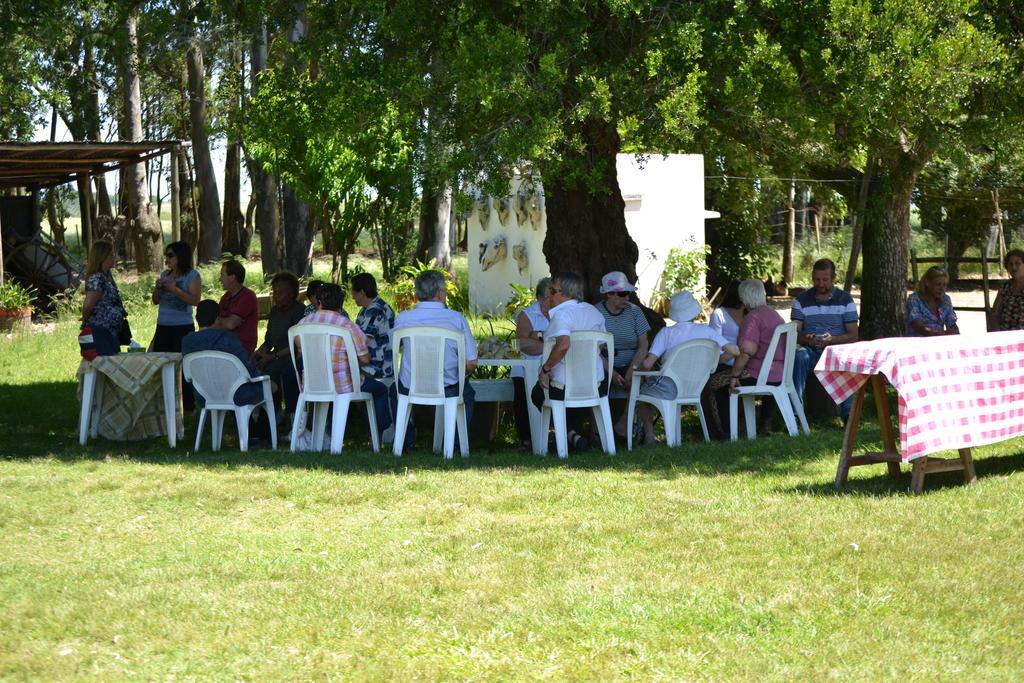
{"x": 879, "y": 484}
{"x": 41, "y": 421}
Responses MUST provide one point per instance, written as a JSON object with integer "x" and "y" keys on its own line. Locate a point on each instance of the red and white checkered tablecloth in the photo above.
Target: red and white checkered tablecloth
{"x": 954, "y": 391}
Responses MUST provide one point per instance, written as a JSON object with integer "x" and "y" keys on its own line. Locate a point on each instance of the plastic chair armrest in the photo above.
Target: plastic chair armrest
{"x": 646, "y": 373}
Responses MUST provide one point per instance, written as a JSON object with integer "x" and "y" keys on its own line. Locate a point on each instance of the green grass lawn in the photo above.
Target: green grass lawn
{"x": 725, "y": 561}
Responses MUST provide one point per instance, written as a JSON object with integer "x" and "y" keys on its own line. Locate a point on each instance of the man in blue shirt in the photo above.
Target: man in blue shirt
{"x": 824, "y": 315}
{"x": 208, "y": 338}
{"x": 431, "y": 292}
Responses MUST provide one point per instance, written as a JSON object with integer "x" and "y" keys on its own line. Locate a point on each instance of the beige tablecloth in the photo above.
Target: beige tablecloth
{"x": 133, "y": 405}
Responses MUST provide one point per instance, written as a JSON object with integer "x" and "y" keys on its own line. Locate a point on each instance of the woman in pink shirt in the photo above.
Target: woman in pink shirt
{"x": 755, "y": 335}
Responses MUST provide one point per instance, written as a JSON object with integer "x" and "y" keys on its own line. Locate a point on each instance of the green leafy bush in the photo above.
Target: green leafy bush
{"x": 15, "y": 296}
{"x": 684, "y": 269}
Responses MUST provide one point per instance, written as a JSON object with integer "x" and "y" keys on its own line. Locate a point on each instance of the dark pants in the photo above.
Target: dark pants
{"x": 521, "y": 409}
{"x": 282, "y": 373}
{"x": 105, "y": 341}
{"x": 573, "y": 416}
{"x": 468, "y": 397}
{"x": 168, "y": 338}
{"x": 381, "y": 404}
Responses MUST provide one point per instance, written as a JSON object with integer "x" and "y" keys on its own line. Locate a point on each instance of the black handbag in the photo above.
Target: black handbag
{"x": 124, "y": 334}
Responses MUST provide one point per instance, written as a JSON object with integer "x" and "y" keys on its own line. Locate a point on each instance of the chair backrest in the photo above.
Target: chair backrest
{"x": 690, "y": 365}
{"x": 787, "y": 330}
{"x": 316, "y": 341}
{"x": 582, "y": 378}
{"x": 215, "y": 375}
{"x": 425, "y": 346}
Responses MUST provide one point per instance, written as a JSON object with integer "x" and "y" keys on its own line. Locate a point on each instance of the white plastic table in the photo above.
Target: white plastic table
{"x": 128, "y": 372}
{"x": 531, "y": 366}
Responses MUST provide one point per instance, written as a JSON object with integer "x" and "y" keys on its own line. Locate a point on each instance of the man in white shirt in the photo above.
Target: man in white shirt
{"x": 568, "y": 314}
{"x": 431, "y": 292}
{"x": 683, "y": 308}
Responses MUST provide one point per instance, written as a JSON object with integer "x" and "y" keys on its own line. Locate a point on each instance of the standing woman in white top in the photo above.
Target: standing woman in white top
{"x": 177, "y": 290}
{"x": 727, "y": 318}
{"x": 531, "y": 323}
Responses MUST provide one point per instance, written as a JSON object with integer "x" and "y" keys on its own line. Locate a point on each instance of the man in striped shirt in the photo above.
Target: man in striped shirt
{"x": 824, "y": 315}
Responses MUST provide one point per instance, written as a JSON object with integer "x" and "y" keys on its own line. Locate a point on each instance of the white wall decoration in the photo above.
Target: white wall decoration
{"x": 492, "y": 251}
{"x": 483, "y": 210}
{"x": 522, "y": 207}
{"x": 504, "y": 207}
{"x": 664, "y": 208}
{"x": 521, "y": 255}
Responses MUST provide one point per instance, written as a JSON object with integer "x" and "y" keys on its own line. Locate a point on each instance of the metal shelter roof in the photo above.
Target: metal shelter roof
{"x": 45, "y": 164}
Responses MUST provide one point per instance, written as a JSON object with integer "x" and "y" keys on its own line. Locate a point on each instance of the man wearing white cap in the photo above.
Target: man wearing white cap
{"x": 683, "y": 308}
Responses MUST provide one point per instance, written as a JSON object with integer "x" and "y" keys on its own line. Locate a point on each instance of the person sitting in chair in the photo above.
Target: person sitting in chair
{"x": 683, "y": 308}
{"x": 824, "y": 315}
{"x": 569, "y": 313}
{"x": 330, "y": 299}
{"x": 431, "y": 292}
{"x": 210, "y": 338}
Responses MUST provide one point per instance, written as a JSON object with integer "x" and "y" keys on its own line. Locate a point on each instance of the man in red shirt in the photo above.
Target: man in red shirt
{"x": 239, "y": 311}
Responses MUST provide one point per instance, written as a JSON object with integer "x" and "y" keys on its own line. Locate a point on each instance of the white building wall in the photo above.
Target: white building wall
{"x": 664, "y": 197}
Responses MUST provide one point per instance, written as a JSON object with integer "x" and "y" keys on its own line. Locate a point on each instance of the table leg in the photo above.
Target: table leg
{"x": 850, "y": 437}
{"x": 885, "y": 422}
{"x": 538, "y": 438}
{"x": 968, "y": 462}
{"x": 85, "y": 413}
{"x": 169, "y": 377}
{"x": 917, "y": 475}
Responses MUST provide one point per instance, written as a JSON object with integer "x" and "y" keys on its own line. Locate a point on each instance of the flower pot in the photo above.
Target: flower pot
{"x": 12, "y": 320}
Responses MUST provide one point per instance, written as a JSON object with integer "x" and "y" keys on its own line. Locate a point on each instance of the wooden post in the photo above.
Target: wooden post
{"x": 984, "y": 278}
{"x": 85, "y": 209}
{"x": 913, "y": 266}
{"x": 175, "y": 208}
{"x": 1, "y": 251}
{"x": 999, "y": 227}
{"x": 788, "y": 241}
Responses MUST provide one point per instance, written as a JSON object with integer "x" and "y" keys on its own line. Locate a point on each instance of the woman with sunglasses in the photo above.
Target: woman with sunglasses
{"x": 929, "y": 310}
{"x": 626, "y": 322}
{"x": 177, "y": 290}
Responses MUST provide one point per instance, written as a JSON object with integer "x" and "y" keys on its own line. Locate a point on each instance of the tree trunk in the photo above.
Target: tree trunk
{"x": 236, "y": 237}
{"x": 209, "y": 196}
{"x": 886, "y": 250}
{"x": 85, "y": 210}
{"x": 299, "y": 232}
{"x": 186, "y": 201}
{"x": 264, "y": 185}
{"x": 435, "y": 228}
{"x": 859, "y": 218}
{"x": 144, "y": 227}
{"x": 587, "y": 230}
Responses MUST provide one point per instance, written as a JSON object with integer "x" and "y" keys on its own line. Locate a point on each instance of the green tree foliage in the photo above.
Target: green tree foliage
{"x": 828, "y": 85}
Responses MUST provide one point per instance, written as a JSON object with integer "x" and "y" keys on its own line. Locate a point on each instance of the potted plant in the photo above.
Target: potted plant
{"x": 15, "y": 305}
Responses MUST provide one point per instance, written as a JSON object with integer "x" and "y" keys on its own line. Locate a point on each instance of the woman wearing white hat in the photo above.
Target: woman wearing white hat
{"x": 683, "y": 308}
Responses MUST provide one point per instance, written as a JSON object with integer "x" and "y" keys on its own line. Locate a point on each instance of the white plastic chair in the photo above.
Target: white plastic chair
{"x": 425, "y": 347}
{"x": 581, "y": 388}
{"x": 216, "y": 375}
{"x": 785, "y": 394}
{"x": 318, "y": 387}
{"x": 689, "y": 366}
